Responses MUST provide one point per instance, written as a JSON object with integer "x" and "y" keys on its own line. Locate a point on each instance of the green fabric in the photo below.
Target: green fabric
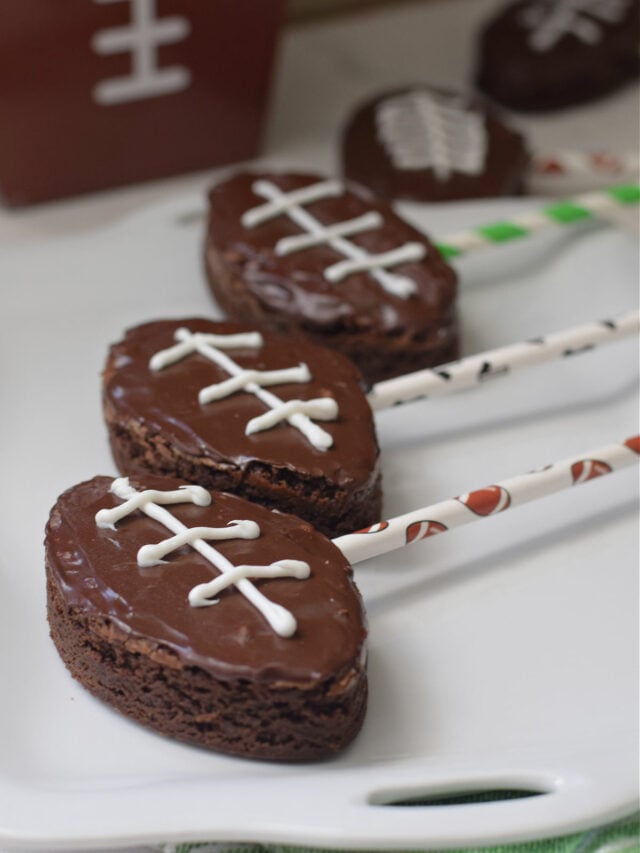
{"x": 620, "y": 837}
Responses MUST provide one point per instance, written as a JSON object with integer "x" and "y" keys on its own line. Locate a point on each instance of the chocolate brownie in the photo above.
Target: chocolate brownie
{"x": 276, "y": 669}
{"x": 332, "y": 262}
{"x": 281, "y": 422}
{"x": 548, "y": 54}
{"x": 427, "y": 144}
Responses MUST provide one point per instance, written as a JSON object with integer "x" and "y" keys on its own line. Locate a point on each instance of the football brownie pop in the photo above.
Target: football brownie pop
{"x": 206, "y": 618}
{"x": 331, "y": 262}
{"x": 426, "y": 144}
{"x": 548, "y": 54}
{"x": 279, "y": 421}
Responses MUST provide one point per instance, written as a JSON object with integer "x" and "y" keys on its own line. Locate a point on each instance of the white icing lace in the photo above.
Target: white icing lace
{"x": 297, "y": 413}
{"x": 421, "y": 130}
{"x": 548, "y": 23}
{"x": 291, "y": 204}
{"x": 151, "y": 502}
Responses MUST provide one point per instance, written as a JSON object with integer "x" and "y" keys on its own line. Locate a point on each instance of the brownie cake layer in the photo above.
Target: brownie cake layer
{"x": 283, "y": 273}
{"x": 157, "y": 423}
{"x": 218, "y": 676}
{"x": 428, "y": 144}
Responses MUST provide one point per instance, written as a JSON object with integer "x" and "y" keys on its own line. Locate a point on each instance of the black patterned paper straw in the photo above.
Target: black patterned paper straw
{"x": 492, "y": 364}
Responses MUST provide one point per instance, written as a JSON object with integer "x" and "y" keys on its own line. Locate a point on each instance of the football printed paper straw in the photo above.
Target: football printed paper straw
{"x": 578, "y": 209}
{"x": 478, "y": 369}
{"x": 586, "y": 165}
{"x": 421, "y": 523}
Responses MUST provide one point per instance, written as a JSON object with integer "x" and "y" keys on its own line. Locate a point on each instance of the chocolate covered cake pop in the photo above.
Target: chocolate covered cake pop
{"x": 282, "y": 422}
{"x": 548, "y": 54}
{"x": 426, "y": 144}
{"x": 331, "y": 262}
{"x": 206, "y": 618}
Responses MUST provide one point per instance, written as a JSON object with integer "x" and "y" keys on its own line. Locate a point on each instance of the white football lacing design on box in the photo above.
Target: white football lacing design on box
{"x": 141, "y": 39}
{"x": 358, "y": 259}
{"x": 421, "y": 130}
{"x": 297, "y": 413}
{"x": 581, "y": 18}
{"x": 151, "y": 501}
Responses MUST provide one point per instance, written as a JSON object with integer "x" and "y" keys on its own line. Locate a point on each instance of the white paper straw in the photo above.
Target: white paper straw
{"x": 503, "y": 361}
{"x": 413, "y": 526}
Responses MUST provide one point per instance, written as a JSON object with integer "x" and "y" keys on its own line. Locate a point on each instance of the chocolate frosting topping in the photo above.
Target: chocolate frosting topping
{"x": 96, "y": 570}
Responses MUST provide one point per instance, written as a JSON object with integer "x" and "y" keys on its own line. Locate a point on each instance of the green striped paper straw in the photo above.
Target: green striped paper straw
{"x": 578, "y": 209}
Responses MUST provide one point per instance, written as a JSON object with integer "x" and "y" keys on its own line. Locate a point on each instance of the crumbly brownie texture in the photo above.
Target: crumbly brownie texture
{"x": 549, "y": 54}
{"x": 383, "y": 333}
{"x": 156, "y": 424}
{"x": 216, "y": 676}
{"x": 427, "y": 144}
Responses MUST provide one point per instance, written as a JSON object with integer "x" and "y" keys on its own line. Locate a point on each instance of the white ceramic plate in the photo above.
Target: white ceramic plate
{"x": 502, "y": 656}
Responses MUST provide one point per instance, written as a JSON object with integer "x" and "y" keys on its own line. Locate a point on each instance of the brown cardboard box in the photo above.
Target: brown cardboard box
{"x": 100, "y": 93}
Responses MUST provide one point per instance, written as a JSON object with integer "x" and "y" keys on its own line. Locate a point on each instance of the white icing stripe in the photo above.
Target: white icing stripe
{"x": 548, "y": 23}
{"x": 284, "y": 203}
{"x": 248, "y": 340}
{"x": 406, "y": 253}
{"x": 153, "y": 555}
{"x": 321, "y": 408}
{"x": 253, "y": 377}
{"x": 202, "y": 595}
{"x": 150, "y": 503}
{"x": 250, "y": 382}
{"x": 136, "y": 500}
{"x": 366, "y": 222}
{"x": 425, "y": 130}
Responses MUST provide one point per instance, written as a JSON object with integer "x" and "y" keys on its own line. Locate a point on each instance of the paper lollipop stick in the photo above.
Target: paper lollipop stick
{"x": 573, "y": 170}
{"x": 478, "y": 369}
{"x": 577, "y": 209}
{"x": 440, "y": 517}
